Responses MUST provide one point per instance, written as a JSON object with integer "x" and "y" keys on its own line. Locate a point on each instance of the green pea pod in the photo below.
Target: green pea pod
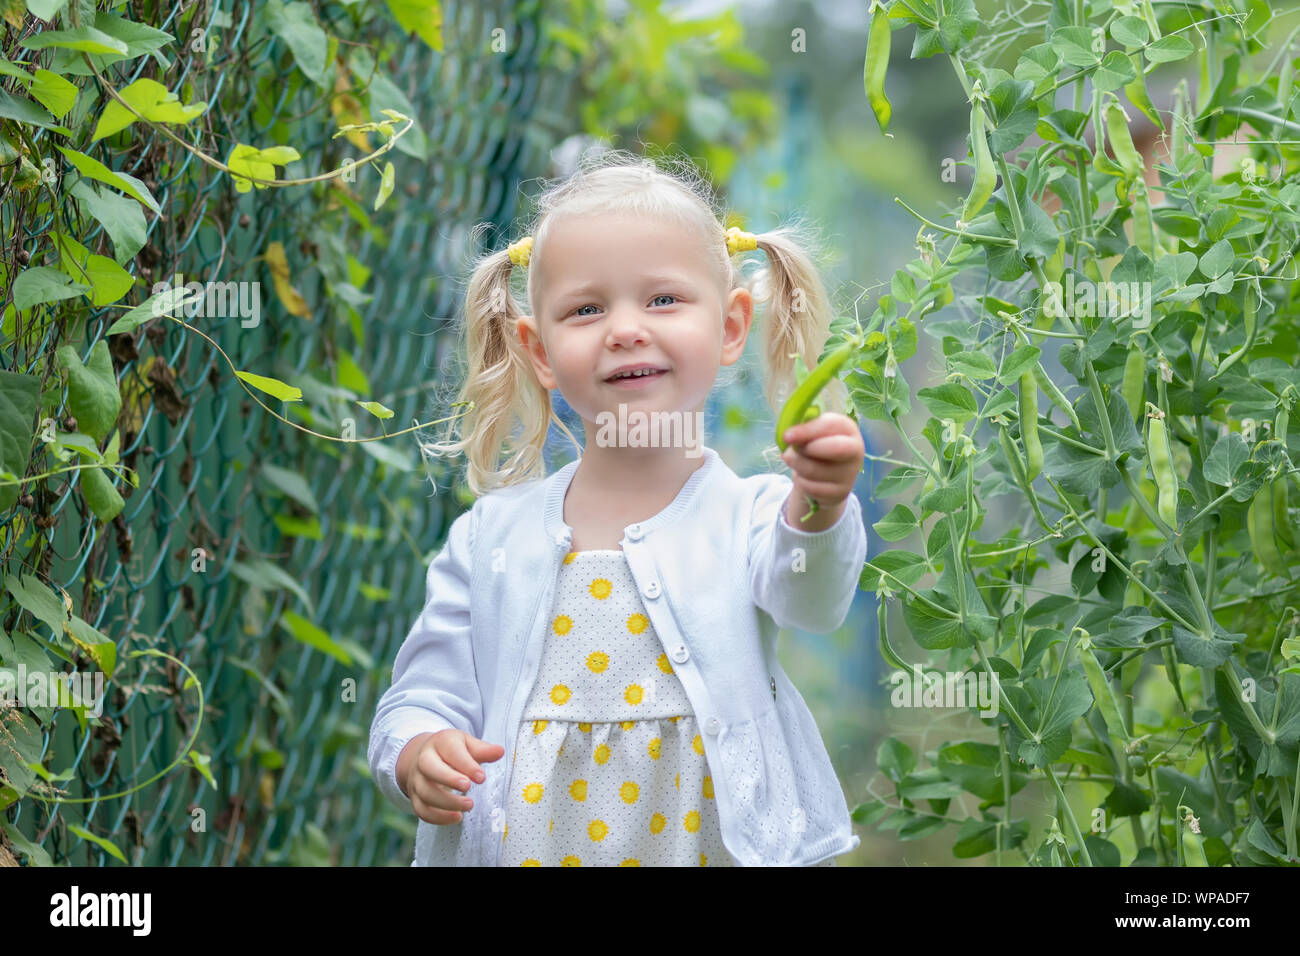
{"x": 1249, "y": 323}
{"x": 1133, "y": 388}
{"x": 1056, "y": 395}
{"x": 877, "y": 62}
{"x": 986, "y": 176}
{"x": 1281, "y": 518}
{"x": 886, "y": 649}
{"x": 1162, "y": 470}
{"x": 797, "y": 406}
{"x": 1029, "y": 425}
{"x": 1121, "y": 141}
{"x": 1103, "y": 694}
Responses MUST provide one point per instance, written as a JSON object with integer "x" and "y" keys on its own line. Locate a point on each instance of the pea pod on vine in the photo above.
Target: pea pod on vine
{"x": 1162, "y": 468}
{"x": 986, "y": 176}
{"x": 799, "y": 407}
{"x": 877, "y": 62}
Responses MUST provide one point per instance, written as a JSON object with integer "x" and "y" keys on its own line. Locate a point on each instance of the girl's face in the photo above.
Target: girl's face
{"x": 617, "y": 291}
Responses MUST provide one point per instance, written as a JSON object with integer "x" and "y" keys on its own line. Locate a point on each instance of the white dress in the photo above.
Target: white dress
{"x": 609, "y": 768}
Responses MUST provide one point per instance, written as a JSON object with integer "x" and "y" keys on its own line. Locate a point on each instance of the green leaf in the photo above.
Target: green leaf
{"x": 977, "y": 837}
{"x": 974, "y": 365}
{"x": 98, "y": 841}
{"x": 121, "y": 218}
{"x": 203, "y": 763}
{"x": 311, "y": 635}
{"x": 898, "y": 524}
{"x": 933, "y": 630}
{"x": 1079, "y": 472}
{"x": 1226, "y": 459}
{"x": 1169, "y": 48}
{"x": 272, "y": 386}
{"x": 292, "y": 484}
{"x": 100, "y": 494}
{"x": 421, "y": 17}
{"x": 1130, "y": 32}
{"x": 23, "y": 110}
{"x": 949, "y": 401}
{"x": 895, "y": 759}
{"x": 1074, "y": 44}
{"x": 149, "y": 99}
{"x": 35, "y": 596}
{"x": 160, "y": 303}
{"x": 257, "y": 163}
{"x": 1115, "y": 71}
{"x": 1018, "y": 362}
{"x": 266, "y": 575}
{"x": 378, "y": 410}
{"x": 40, "y": 284}
{"x": 46, "y": 9}
{"x": 35, "y": 853}
{"x": 82, "y": 39}
{"x": 1048, "y": 705}
{"x": 295, "y": 24}
{"x": 93, "y": 169}
{"x": 20, "y": 399}
{"x": 893, "y": 567}
{"x": 92, "y": 389}
{"x": 1216, "y": 260}
{"x": 898, "y": 480}
{"x": 55, "y": 93}
{"x": 958, "y": 25}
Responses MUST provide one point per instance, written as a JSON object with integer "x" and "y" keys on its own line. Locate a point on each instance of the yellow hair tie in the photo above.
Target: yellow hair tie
{"x": 739, "y": 241}
{"x": 522, "y": 251}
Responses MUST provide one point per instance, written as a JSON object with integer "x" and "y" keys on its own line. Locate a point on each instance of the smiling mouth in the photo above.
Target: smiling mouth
{"x": 632, "y": 376}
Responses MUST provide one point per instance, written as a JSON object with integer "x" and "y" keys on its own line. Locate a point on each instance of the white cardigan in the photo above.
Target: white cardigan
{"x": 720, "y": 572}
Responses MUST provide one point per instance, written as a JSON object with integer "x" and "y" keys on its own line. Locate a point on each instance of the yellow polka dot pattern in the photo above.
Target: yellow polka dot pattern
{"x": 610, "y": 766}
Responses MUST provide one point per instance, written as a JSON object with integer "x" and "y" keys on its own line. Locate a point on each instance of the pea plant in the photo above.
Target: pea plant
{"x": 1118, "y": 561}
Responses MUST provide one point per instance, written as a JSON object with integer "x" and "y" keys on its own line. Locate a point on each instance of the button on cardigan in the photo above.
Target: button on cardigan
{"x": 720, "y": 572}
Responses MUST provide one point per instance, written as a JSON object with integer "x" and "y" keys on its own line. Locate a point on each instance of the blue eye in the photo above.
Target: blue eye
{"x": 578, "y": 311}
{"x": 665, "y": 295}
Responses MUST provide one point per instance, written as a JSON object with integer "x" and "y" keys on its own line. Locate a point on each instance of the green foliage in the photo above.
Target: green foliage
{"x": 1144, "y": 650}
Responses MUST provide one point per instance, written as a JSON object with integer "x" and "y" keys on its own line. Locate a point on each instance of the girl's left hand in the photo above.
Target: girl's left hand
{"x": 826, "y": 456}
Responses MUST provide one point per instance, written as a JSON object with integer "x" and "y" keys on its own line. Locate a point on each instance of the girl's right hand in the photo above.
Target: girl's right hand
{"x": 445, "y": 765}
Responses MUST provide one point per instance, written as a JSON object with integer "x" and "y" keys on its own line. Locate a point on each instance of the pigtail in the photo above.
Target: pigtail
{"x": 798, "y": 318}
{"x": 500, "y": 383}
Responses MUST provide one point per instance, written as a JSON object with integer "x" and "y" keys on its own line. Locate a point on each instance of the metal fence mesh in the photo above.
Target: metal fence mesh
{"x": 286, "y": 735}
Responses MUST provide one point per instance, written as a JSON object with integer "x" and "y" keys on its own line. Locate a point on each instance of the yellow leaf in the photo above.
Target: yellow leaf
{"x": 347, "y": 110}
{"x": 289, "y": 296}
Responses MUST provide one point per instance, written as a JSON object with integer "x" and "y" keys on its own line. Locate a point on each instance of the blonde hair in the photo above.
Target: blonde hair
{"x": 498, "y": 377}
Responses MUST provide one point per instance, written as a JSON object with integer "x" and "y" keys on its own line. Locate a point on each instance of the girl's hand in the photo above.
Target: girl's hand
{"x": 445, "y": 765}
{"x": 826, "y": 456}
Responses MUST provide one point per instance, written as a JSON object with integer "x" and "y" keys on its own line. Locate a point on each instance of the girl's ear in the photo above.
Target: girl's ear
{"x": 526, "y": 329}
{"x": 736, "y": 324}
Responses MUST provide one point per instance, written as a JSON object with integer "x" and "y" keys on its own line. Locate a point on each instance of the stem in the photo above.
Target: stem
{"x": 993, "y": 240}
{"x": 1069, "y": 816}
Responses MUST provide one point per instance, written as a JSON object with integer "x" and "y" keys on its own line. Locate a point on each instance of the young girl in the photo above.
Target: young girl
{"x": 593, "y": 680}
